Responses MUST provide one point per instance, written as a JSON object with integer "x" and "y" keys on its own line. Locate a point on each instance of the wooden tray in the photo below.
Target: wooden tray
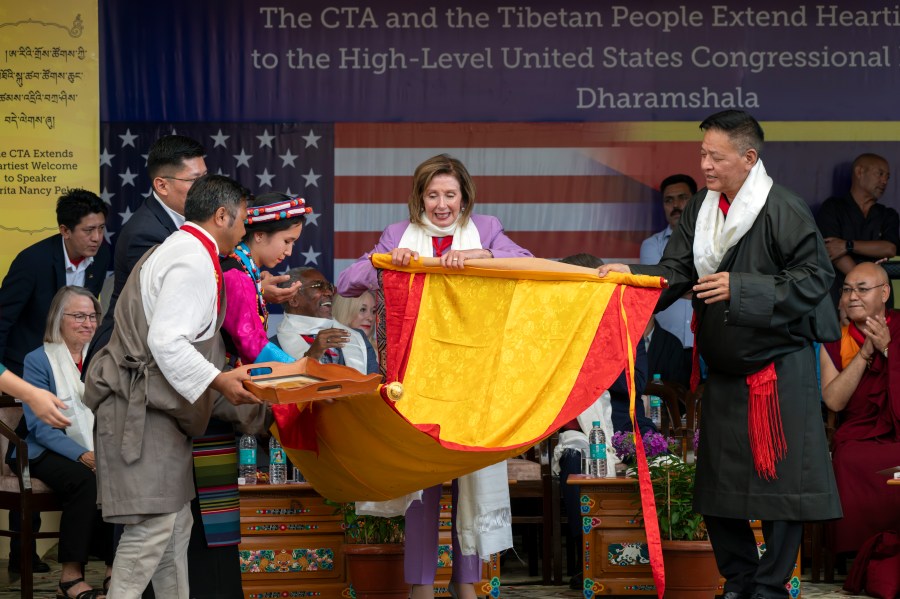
{"x": 307, "y": 380}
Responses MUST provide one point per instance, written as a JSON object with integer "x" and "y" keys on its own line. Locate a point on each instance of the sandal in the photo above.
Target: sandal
{"x": 88, "y": 594}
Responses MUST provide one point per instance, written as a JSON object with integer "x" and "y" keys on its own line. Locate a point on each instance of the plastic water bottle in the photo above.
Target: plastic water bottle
{"x": 596, "y": 462}
{"x": 247, "y": 460}
{"x": 656, "y": 407}
{"x": 277, "y": 463}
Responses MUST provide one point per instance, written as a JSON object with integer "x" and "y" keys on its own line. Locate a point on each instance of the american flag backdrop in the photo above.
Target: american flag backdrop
{"x": 558, "y": 188}
{"x": 295, "y": 158}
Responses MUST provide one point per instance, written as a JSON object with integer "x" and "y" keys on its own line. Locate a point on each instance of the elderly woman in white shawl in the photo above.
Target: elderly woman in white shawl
{"x": 64, "y": 458}
{"x": 442, "y": 224}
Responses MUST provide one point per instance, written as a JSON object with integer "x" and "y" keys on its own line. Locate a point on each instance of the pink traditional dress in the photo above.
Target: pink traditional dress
{"x": 246, "y": 316}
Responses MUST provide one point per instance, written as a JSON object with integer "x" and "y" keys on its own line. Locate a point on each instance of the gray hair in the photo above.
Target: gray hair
{"x": 52, "y": 333}
{"x": 296, "y": 274}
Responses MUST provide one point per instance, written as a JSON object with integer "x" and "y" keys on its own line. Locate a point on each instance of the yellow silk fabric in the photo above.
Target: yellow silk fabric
{"x": 536, "y": 269}
{"x": 369, "y": 452}
{"x": 500, "y": 355}
{"x": 496, "y": 351}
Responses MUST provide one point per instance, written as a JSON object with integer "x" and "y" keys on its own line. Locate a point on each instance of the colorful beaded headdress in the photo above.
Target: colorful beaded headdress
{"x": 277, "y": 211}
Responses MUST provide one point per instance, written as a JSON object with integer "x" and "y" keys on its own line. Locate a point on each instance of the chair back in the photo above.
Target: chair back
{"x": 9, "y": 418}
{"x": 679, "y": 415}
{"x": 19, "y": 492}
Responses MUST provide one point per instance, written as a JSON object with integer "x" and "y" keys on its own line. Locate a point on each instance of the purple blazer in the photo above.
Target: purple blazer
{"x": 361, "y": 275}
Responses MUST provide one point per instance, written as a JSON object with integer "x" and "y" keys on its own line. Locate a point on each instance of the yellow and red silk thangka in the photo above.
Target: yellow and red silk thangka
{"x": 493, "y": 359}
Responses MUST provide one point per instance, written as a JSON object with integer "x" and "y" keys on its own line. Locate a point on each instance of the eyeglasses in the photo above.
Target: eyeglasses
{"x": 191, "y": 180}
{"x": 80, "y": 317}
{"x": 323, "y": 285}
{"x": 860, "y": 291}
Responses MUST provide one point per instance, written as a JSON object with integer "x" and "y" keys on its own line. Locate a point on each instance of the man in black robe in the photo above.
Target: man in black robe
{"x": 760, "y": 279}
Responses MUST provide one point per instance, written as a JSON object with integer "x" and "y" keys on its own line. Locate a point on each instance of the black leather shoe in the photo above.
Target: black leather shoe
{"x": 37, "y": 566}
{"x": 735, "y": 595}
{"x": 576, "y": 582}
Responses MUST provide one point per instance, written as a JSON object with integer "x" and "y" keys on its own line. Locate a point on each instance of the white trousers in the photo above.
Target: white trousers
{"x": 155, "y": 549}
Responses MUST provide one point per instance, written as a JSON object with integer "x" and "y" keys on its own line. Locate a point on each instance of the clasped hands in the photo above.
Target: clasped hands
{"x": 878, "y": 337}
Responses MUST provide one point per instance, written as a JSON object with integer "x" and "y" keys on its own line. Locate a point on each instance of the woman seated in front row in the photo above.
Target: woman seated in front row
{"x": 64, "y": 458}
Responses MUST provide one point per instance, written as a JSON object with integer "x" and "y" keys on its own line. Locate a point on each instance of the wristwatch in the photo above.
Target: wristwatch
{"x": 849, "y": 246}
{"x": 884, "y": 351}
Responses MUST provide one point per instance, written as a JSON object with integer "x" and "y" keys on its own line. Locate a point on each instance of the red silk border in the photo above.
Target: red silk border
{"x": 648, "y": 500}
{"x": 402, "y": 297}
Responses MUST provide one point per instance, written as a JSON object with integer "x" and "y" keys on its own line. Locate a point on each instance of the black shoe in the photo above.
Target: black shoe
{"x": 735, "y": 595}
{"x": 37, "y": 566}
{"x": 576, "y": 582}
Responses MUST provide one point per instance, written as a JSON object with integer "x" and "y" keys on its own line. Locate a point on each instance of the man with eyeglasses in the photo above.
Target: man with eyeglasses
{"x": 309, "y": 331}
{"x": 174, "y": 163}
{"x": 76, "y": 255}
{"x": 860, "y": 378}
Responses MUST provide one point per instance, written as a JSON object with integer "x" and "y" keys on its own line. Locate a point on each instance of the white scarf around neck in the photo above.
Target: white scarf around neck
{"x": 418, "y": 237}
{"x": 292, "y": 326}
{"x": 714, "y": 235}
{"x": 483, "y": 515}
{"x": 70, "y": 390}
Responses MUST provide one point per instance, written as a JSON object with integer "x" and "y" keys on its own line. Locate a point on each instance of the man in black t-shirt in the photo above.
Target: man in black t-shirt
{"x": 856, "y": 227}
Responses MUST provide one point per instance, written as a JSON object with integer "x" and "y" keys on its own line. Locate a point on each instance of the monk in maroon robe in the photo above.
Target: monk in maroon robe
{"x": 861, "y": 381}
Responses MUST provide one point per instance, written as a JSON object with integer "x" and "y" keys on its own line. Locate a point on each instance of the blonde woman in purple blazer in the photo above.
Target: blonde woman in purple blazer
{"x": 441, "y": 224}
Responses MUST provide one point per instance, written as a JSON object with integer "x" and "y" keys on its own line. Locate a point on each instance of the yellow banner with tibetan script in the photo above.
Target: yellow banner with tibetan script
{"x": 49, "y": 114}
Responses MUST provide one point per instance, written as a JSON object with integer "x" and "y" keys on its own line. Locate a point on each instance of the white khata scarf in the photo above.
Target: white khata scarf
{"x": 714, "y": 235}
{"x": 292, "y": 326}
{"x": 483, "y": 517}
{"x": 70, "y": 391}
{"x": 418, "y": 237}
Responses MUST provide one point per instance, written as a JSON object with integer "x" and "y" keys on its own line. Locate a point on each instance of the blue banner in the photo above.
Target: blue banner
{"x": 577, "y": 60}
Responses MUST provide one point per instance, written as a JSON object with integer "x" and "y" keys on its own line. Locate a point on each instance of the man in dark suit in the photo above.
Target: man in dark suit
{"x": 665, "y": 354}
{"x": 74, "y": 256}
{"x": 173, "y": 163}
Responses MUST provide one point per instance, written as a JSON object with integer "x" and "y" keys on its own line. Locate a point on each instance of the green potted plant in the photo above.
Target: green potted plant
{"x": 673, "y": 488}
{"x": 374, "y": 551}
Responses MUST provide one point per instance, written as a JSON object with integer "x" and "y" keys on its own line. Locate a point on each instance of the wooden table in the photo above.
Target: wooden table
{"x": 292, "y": 545}
{"x": 616, "y": 560}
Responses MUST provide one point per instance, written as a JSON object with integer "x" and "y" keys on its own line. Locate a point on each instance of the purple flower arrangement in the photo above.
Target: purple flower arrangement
{"x": 655, "y": 444}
